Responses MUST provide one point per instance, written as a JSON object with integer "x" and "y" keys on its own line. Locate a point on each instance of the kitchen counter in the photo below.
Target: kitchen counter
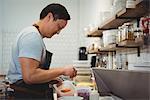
{"x": 100, "y": 97}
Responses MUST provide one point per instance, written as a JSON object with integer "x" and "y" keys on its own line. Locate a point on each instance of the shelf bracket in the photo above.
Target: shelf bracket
{"x": 138, "y": 48}
{"x": 128, "y": 17}
{"x": 138, "y": 22}
{"x": 138, "y": 51}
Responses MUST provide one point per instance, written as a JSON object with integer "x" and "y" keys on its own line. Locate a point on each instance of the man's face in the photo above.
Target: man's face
{"x": 60, "y": 24}
{"x": 55, "y": 27}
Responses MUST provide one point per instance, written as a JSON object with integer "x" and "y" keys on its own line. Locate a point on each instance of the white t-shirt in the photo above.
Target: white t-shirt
{"x": 29, "y": 43}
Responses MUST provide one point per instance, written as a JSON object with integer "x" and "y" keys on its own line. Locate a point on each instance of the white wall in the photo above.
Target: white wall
{"x": 90, "y": 15}
{"x": 139, "y": 63}
{"x": 21, "y": 13}
{"x": 0, "y": 36}
{"x": 65, "y": 45}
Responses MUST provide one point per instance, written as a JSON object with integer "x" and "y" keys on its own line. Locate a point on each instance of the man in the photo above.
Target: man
{"x": 29, "y": 55}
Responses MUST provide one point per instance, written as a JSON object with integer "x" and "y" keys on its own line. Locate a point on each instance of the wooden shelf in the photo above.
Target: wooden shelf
{"x": 115, "y": 47}
{"x": 133, "y": 13}
{"x": 125, "y": 15}
{"x": 98, "y": 52}
{"x": 109, "y": 24}
{"x": 97, "y": 33}
{"x": 129, "y": 44}
{"x": 109, "y": 48}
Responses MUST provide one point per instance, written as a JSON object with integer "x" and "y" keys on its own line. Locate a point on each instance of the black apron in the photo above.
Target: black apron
{"x": 44, "y": 91}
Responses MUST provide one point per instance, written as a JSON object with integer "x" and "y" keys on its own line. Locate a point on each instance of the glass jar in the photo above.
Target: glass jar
{"x": 128, "y": 31}
{"x": 139, "y": 37}
{"x": 119, "y": 36}
{"x": 124, "y": 32}
{"x": 138, "y": 33}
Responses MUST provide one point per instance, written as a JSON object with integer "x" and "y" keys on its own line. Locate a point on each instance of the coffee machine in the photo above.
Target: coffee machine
{"x": 83, "y": 53}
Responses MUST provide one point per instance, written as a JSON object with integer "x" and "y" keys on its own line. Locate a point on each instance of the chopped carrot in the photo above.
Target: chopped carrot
{"x": 65, "y": 90}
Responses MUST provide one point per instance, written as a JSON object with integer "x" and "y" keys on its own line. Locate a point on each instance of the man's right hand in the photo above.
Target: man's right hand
{"x": 70, "y": 71}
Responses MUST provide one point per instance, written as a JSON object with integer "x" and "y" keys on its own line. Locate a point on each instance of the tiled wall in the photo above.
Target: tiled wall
{"x": 140, "y": 63}
{"x": 136, "y": 62}
{"x": 18, "y": 14}
{"x": 64, "y": 48}
{"x": 8, "y": 39}
{"x": 0, "y": 50}
{"x": 90, "y": 15}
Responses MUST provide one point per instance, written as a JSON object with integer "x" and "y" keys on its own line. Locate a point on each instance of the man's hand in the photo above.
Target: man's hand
{"x": 70, "y": 71}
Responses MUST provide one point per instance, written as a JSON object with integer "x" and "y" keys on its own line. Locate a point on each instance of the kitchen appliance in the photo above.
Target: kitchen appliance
{"x": 82, "y": 53}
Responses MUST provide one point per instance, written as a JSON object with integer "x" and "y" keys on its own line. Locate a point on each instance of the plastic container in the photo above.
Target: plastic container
{"x": 66, "y": 89}
{"x": 94, "y": 95}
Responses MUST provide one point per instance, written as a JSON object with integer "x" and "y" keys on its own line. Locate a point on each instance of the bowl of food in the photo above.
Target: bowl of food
{"x": 65, "y": 89}
{"x": 83, "y": 91}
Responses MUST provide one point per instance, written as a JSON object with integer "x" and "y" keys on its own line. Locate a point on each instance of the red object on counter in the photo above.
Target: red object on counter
{"x": 145, "y": 22}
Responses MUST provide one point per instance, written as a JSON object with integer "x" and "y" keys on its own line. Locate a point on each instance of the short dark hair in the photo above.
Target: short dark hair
{"x": 58, "y": 11}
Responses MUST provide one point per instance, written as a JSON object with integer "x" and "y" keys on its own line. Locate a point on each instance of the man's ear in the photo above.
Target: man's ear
{"x": 50, "y": 16}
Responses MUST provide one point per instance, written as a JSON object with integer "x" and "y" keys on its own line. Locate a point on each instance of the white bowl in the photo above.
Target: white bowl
{"x": 70, "y": 98}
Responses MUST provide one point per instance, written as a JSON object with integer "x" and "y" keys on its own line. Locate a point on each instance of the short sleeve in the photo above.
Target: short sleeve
{"x": 30, "y": 46}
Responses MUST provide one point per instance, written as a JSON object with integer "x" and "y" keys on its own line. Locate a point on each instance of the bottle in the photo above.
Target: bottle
{"x": 94, "y": 95}
{"x": 119, "y": 61}
{"x": 119, "y": 35}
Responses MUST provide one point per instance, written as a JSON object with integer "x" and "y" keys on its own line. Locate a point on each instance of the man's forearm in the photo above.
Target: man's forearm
{"x": 42, "y": 76}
